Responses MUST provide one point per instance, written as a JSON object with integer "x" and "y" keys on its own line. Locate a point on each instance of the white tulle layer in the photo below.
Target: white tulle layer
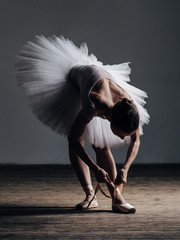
{"x": 42, "y": 68}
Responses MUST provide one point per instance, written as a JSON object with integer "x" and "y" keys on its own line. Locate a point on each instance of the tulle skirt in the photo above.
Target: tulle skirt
{"x": 42, "y": 68}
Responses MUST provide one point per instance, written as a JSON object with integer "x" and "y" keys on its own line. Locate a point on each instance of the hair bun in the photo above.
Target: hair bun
{"x": 126, "y": 103}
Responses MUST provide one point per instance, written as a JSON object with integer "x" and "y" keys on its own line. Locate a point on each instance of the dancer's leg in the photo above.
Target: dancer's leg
{"x": 81, "y": 169}
{"x": 84, "y": 177}
{"x": 106, "y": 161}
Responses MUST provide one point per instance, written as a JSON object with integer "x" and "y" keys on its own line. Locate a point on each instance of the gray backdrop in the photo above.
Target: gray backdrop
{"x": 144, "y": 32}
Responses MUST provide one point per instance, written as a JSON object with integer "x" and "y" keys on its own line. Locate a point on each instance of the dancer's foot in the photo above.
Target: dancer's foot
{"x": 87, "y": 203}
{"x": 123, "y": 208}
{"x": 90, "y": 201}
{"x": 120, "y": 205}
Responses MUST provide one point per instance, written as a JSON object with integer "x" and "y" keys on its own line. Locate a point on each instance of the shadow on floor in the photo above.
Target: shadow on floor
{"x": 9, "y": 210}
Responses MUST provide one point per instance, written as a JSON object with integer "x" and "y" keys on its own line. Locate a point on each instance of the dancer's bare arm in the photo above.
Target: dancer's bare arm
{"x": 132, "y": 150}
{"x": 131, "y": 155}
{"x": 74, "y": 138}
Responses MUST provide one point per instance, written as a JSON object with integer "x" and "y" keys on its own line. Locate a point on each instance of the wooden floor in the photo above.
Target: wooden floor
{"x": 37, "y": 202}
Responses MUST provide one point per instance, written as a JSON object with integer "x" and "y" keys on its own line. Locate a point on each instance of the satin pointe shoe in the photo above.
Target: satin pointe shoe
{"x": 117, "y": 206}
{"x": 90, "y": 201}
{"x": 87, "y": 203}
{"x": 122, "y": 207}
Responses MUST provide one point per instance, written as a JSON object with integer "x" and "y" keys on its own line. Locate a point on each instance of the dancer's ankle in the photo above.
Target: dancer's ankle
{"x": 88, "y": 189}
{"x": 118, "y": 198}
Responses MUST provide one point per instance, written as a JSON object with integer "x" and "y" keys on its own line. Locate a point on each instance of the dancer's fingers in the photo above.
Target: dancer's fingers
{"x": 108, "y": 179}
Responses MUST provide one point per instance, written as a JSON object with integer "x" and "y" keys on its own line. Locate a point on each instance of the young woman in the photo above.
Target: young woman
{"x": 79, "y": 97}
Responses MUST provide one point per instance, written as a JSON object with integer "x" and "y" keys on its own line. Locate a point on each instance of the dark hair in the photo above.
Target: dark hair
{"x": 125, "y": 116}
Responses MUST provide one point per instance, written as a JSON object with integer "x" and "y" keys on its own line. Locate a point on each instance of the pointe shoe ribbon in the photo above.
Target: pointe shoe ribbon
{"x": 116, "y": 189}
{"x": 98, "y": 187}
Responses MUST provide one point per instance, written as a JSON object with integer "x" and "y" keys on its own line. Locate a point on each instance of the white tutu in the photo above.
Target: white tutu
{"x": 42, "y": 68}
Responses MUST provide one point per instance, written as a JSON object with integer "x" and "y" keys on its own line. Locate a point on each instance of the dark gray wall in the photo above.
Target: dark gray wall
{"x": 144, "y": 32}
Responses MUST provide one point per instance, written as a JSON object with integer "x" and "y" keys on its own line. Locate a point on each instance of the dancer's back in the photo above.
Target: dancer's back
{"x": 96, "y": 89}
{"x": 85, "y": 77}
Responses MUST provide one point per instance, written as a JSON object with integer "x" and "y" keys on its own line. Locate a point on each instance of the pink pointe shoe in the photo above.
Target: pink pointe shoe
{"x": 121, "y": 207}
{"x": 87, "y": 203}
{"x": 90, "y": 201}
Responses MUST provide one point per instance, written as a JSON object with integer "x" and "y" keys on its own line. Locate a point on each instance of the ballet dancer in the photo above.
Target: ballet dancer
{"x": 77, "y": 96}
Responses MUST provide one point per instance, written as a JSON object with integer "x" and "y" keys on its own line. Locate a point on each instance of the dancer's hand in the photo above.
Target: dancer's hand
{"x": 121, "y": 177}
{"x": 102, "y": 176}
